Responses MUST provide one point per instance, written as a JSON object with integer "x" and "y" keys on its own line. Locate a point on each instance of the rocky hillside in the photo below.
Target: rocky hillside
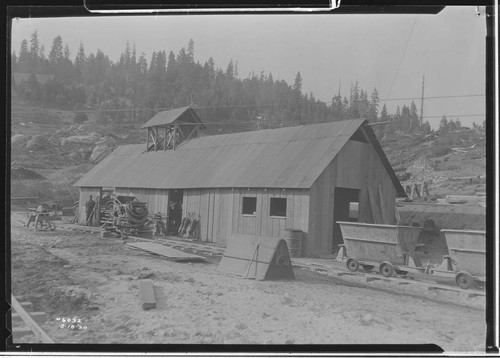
{"x": 50, "y": 152}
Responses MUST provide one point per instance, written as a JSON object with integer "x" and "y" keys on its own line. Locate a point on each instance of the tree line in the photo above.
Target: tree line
{"x": 134, "y": 88}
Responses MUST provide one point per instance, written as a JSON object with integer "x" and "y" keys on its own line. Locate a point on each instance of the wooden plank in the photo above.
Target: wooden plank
{"x": 30, "y": 322}
{"x": 164, "y": 251}
{"x": 211, "y": 200}
{"x": 217, "y": 215}
{"x": 325, "y": 212}
{"x": 375, "y": 208}
{"x": 290, "y": 206}
{"x": 318, "y": 210}
{"x": 28, "y": 306}
{"x": 296, "y": 209}
{"x": 229, "y": 214}
{"x": 38, "y": 317}
{"x": 258, "y": 212}
{"x": 385, "y": 214}
{"x": 147, "y": 294}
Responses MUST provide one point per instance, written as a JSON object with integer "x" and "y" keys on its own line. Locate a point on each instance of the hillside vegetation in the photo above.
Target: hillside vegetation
{"x": 68, "y": 114}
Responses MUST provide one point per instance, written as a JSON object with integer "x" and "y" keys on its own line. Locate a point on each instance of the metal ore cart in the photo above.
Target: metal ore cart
{"x": 467, "y": 257}
{"x": 388, "y": 247}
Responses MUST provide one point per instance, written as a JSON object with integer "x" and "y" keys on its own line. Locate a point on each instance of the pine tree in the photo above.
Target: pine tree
{"x": 414, "y": 121}
{"x": 372, "y": 114}
{"x": 24, "y": 57}
{"x": 383, "y": 114}
{"x": 230, "y": 69}
{"x": 443, "y": 124}
{"x": 80, "y": 61}
{"x": 34, "y": 50}
{"x": 190, "y": 51}
{"x": 56, "y": 53}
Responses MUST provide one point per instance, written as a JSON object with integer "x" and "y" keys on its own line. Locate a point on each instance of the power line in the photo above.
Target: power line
{"x": 27, "y": 109}
{"x": 279, "y": 122}
{"x": 402, "y": 57}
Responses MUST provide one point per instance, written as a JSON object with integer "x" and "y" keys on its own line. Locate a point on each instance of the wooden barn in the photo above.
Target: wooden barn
{"x": 258, "y": 183}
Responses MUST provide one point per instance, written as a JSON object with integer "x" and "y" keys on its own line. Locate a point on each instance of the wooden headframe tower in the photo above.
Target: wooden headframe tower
{"x": 167, "y": 129}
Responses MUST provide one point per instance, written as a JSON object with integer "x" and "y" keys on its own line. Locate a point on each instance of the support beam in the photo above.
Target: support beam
{"x": 195, "y": 129}
{"x": 165, "y": 138}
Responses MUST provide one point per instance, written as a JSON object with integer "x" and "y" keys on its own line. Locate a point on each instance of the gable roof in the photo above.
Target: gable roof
{"x": 290, "y": 157}
{"x": 170, "y": 116}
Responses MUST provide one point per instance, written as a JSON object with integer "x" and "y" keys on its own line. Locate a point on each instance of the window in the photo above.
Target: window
{"x": 353, "y": 210}
{"x": 278, "y": 207}
{"x": 249, "y": 206}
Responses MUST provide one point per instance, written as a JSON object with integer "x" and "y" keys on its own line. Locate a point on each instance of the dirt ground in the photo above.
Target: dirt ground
{"x": 70, "y": 274}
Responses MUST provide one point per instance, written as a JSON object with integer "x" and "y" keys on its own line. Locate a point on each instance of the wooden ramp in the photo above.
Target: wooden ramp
{"x": 164, "y": 251}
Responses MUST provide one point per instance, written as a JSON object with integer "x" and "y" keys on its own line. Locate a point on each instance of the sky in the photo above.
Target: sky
{"x": 389, "y": 52}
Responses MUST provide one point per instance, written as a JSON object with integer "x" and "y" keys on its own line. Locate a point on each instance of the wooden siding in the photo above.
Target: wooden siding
{"x": 84, "y": 197}
{"x": 220, "y": 212}
{"x": 157, "y": 199}
{"x": 357, "y": 166}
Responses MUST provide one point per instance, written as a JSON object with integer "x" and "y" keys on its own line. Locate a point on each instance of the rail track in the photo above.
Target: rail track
{"x": 30, "y": 320}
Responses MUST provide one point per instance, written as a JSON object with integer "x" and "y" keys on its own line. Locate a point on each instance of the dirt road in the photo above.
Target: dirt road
{"x": 70, "y": 274}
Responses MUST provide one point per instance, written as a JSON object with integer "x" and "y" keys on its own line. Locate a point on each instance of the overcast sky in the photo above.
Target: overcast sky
{"x": 448, "y": 48}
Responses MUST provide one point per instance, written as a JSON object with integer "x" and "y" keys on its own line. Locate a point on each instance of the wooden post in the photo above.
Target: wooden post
{"x": 176, "y": 128}
{"x": 147, "y": 141}
{"x": 156, "y": 140}
{"x": 165, "y": 138}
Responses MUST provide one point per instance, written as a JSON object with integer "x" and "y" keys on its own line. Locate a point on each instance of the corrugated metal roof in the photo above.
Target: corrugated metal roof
{"x": 291, "y": 157}
{"x": 168, "y": 117}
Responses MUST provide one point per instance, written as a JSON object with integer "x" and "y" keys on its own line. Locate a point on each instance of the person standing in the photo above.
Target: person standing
{"x": 90, "y": 206}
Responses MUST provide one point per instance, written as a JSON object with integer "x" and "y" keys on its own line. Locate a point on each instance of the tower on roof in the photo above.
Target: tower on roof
{"x": 167, "y": 129}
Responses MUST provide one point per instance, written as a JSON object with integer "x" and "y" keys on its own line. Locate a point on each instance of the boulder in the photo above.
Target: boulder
{"x": 95, "y": 135}
{"x": 85, "y": 128}
{"x": 18, "y": 139}
{"x": 75, "y": 155}
{"x": 79, "y": 139}
{"x": 38, "y": 142}
{"x": 107, "y": 141}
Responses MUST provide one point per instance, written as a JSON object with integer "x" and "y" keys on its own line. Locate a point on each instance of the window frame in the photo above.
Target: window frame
{"x": 243, "y": 205}
{"x": 271, "y": 207}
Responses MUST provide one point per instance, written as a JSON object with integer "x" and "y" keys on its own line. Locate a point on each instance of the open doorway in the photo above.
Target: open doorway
{"x": 345, "y": 208}
{"x": 174, "y": 211}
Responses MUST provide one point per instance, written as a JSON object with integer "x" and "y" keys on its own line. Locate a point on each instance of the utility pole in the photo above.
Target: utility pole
{"x": 422, "y": 103}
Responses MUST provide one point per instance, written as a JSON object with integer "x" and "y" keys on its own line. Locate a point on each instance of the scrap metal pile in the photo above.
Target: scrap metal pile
{"x": 126, "y": 216}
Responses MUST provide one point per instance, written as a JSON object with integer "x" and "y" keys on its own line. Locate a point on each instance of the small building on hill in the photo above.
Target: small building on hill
{"x": 258, "y": 183}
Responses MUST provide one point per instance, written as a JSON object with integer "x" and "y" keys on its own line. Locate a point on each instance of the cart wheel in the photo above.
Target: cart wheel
{"x": 368, "y": 268}
{"x": 464, "y": 280}
{"x": 352, "y": 265}
{"x": 386, "y": 269}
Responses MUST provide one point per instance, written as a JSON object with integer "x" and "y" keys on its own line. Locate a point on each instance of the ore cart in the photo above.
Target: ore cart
{"x": 387, "y": 247}
{"x": 467, "y": 257}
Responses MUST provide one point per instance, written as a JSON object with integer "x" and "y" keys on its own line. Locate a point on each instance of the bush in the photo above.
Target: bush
{"x": 80, "y": 117}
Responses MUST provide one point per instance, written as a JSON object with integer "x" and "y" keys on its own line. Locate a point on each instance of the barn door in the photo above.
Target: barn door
{"x": 175, "y": 198}
{"x": 345, "y": 208}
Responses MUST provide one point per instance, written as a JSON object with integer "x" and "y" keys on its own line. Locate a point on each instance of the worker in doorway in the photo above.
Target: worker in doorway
{"x": 175, "y": 216}
{"x": 90, "y": 208}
